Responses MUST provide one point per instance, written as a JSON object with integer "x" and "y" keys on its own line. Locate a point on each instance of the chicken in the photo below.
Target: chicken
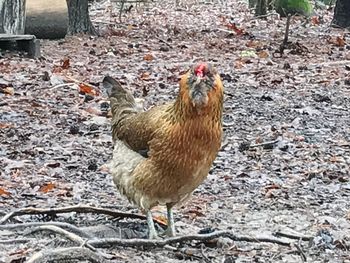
{"x": 163, "y": 154}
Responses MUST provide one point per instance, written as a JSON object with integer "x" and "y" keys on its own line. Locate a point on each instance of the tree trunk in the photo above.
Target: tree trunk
{"x": 79, "y": 19}
{"x": 261, "y": 8}
{"x": 252, "y": 3}
{"x": 341, "y": 16}
{"x": 12, "y": 16}
{"x": 46, "y": 19}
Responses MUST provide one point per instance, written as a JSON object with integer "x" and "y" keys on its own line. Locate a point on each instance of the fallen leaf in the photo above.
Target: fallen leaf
{"x": 86, "y": 89}
{"x": 94, "y": 111}
{"x": 272, "y": 186}
{"x": 148, "y": 57}
{"x": 263, "y": 54}
{"x": 234, "y": 28}
{"x": 338, "y": 41}
{"x": 65, "y": 63}
{"x": 145, "y": 75}
{"x": 7, "y": 90}
{"x": 47, "y": 187}
{"x": 4, "y": 192}
{"x": 5, "y": 125}
{"x": 315, "y": 20}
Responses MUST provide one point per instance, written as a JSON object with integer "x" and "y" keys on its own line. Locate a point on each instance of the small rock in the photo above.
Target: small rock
{"x": 92, "y": 166}
{"x": 74, "y": 129}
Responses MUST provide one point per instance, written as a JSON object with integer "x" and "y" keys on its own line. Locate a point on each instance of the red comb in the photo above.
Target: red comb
{"x": 199, "y": 71}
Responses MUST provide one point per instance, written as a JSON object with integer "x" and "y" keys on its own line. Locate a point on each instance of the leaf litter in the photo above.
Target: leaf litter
{"x": 285, "y": 159}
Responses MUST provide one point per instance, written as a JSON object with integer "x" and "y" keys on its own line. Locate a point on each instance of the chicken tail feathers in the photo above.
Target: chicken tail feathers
{"x": 122, "y": 102}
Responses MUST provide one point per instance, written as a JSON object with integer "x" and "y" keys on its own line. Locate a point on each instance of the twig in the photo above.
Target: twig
{"x": 71, "y": 236}
{"x": 264, "y": 16}
{"x": 64, "y": 254}
{"x": 62, "y": 85}
{"x": 206, "y": 259}
{"x": 63, "y": 225}
{"x": 163, "y": 41}
{"x": 186, "y": 252}
{"x": 15, "y": 241}
{"x": 294, "y": 235}
{"x": 301, "y": 252}
{"x": 108, "y": 242}
{"x": 264, "y": 144}
{"x": 69, "y": 209}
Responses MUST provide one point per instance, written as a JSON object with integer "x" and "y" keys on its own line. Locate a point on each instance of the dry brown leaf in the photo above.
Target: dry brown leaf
{"x": 253, "y": 44}
{"x": 47, "y": 187}
{"x": 4, "y": 192}
{"x": 239, "y": 64}
{"x": 148, "y": 57}
{"x": 272, "y": 186}
{"x": 263, "y": 54}
{"x": 338, "y": 41}
{"x": 65, "y": 63}
{"x": 5, "y": 125}
{"x": 145, "y": 75}
{"x": 336, "y": 159}
{"x": 86, "y": 89}
{"x": 7, "y": 90}
{"x": 94, "y": 111}
{"x": 233, "y": 27}
{"x": 315, "y": 20}
{"x": 341, "y": 41}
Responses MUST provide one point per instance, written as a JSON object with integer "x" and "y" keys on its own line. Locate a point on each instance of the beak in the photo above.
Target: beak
{"x": 198, "y": 94}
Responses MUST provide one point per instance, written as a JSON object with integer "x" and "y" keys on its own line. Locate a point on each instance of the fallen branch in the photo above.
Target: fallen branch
{"x": 269, "y": 144}
{"x": 69, "y": 209}
{"x": 62, "y": 85}
{"x": 71, "y": 236}
{"x": 64, "y": 254}
{"x": 301, "y": 252}
{"x": 186, "y": 252}
{"x": 294, "y": 235}
{"x": 15, "y": 241}
{"x": 163, "y": 41}
{"x": 63, "y": 225}
{"x": 108, "y": 242}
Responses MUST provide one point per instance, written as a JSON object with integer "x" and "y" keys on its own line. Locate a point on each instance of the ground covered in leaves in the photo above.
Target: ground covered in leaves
{"x": 284, "y": 163}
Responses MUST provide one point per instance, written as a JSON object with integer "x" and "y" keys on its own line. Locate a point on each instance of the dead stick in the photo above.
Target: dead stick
{"x": 63, "y": 225}
{"x": 296, "y": 236}
{"x": 15, "y": 241}
{"x": 69, "y": 209}
{"x": 65, "y": 254}
{"x": 264, "y": 144}
{"x": 55, "y": 229}
{"x": 108, "y": 242}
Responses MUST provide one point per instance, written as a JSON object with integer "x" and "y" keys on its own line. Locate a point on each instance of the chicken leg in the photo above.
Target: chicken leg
{"x": 152, "y": 230}
{"x": 170, "y": 231}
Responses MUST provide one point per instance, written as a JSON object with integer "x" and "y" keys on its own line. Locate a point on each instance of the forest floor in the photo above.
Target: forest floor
{"x": 284, "y": 162}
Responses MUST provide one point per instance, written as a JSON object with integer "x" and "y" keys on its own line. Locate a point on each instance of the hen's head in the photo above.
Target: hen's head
{"x": 201, "y": 86}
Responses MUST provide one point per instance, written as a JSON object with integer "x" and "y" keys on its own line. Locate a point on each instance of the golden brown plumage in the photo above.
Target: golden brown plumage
{"x": 181, "y": 140}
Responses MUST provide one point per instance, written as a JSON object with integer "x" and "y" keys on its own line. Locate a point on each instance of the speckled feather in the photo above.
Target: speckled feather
{"x": 182, "y": 143}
